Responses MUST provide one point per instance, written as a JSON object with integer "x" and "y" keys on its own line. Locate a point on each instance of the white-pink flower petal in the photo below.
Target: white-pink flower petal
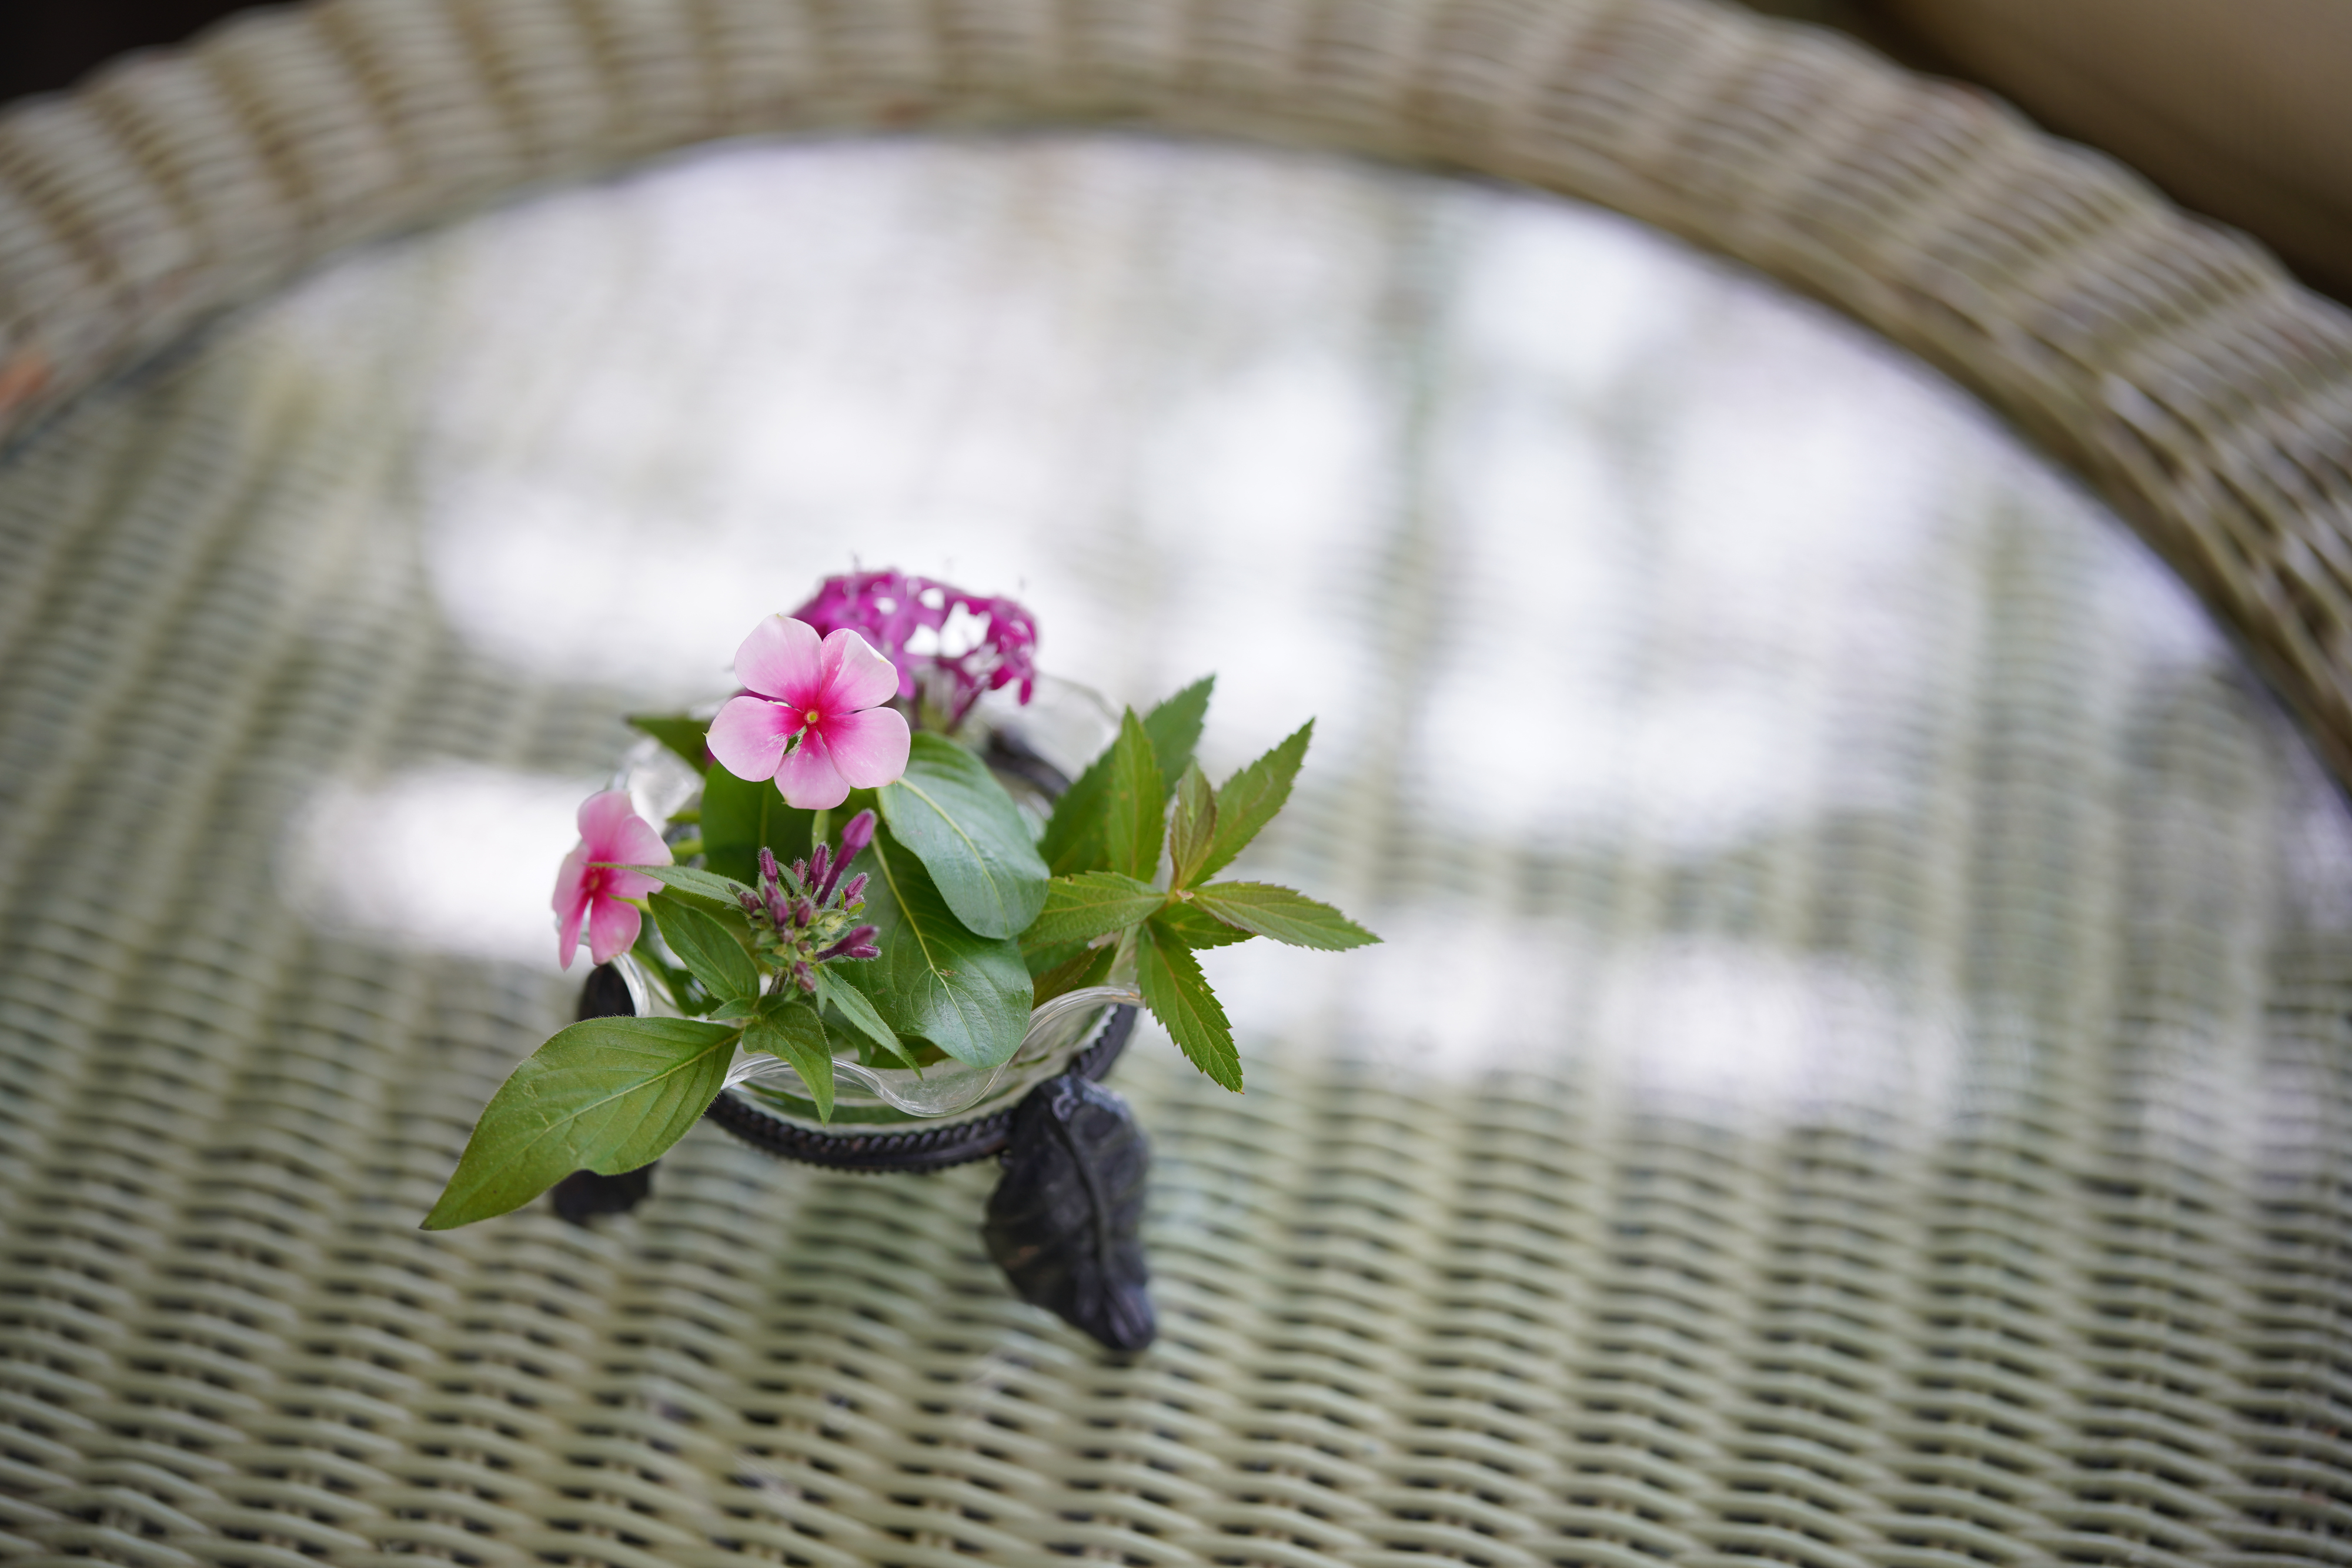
{"x": 808, "y": 778}
{"x": 782, "y": 658}
{"x": 749, "y": 735}
{"x": 571, "y": 902}
{"x": 612, "y": 929}
{"x": 869, "y": 748}
{"x": 856, "y": 676}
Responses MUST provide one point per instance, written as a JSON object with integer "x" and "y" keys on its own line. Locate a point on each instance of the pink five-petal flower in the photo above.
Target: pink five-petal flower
{"x": 610, "y": 829}
{"x": 829, "y": 694}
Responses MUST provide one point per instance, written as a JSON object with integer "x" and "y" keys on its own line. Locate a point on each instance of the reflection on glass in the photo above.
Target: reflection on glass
{"x": 1705, "y": 694}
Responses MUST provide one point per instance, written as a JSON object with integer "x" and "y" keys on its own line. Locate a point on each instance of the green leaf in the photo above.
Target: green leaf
{"x": 936, "y": 980}
{"x": 721, "y": 890}
{"x": 1041, "y": 958}
{"x": 1174, "y": 727}
{"x": 1072, "y": 839}
{"x": 606, "y": 1095}
{"x": 1178, "y": 995}
{"x": 1190, "y": 826}
{"x": 1197, "y": 930}
{"x": 1134, "y": 804}
{"x": 797, "y": 1035}
{"x": 705, "y": 947}
{"x": 1251, "y": 797}
{"x": 957, "y": 818}
{"x": 834, "y": 992}
{"x": 1080, "y": 908}
{"x": 1088, "y": 967}
{"x": 739, "y": 815}
{"x": 682, "y": 735}
{"x": 1279, "y": 913}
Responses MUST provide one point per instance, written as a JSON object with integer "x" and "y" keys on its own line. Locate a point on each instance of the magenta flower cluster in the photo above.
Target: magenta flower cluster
{"x": 889, "y": 607}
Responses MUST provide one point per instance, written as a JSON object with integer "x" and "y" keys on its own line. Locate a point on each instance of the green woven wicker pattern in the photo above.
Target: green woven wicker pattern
{"x": 1943, "y": 1161}
{"x": 2175, "y": 365}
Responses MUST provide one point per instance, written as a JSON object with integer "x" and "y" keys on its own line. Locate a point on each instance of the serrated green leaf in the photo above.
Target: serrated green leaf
{"x": 1088, "y": 966}
{"x": 1178, "y": 996}
{"x": 1080, "y": 908}
{"x": 838, "y": 994}
{"x": 709, "y": 953}
{"x": 721, "y": 890}
{"x": 1072, "y": 839}
{"x": 1190, "y": 826}
{"x": 937, "y": 980}
{"x": 682, "y": 735}
{"x": 1281, "y": 914}
{"x": 1134, "y": 804}
{"x": 739, "y": 815}
{"x": 1197, "y": 930}
{"x": 796, "y": 1034}
{"x": 1174, "y": 727}
{"x": 606, "y": 1095}
{"x": 1248, "y": 800}
{"x": 952, "y": 813}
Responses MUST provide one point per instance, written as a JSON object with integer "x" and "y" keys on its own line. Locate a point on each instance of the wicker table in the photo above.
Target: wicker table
{"x": 1862, "y": 1081}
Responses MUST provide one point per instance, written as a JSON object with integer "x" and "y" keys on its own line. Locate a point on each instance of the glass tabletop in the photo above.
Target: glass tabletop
{"x": 1857, "y": 1071}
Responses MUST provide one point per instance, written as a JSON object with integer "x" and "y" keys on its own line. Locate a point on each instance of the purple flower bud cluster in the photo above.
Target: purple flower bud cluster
{"x": 808, "y": 911}
{"x": 889, "y": 607}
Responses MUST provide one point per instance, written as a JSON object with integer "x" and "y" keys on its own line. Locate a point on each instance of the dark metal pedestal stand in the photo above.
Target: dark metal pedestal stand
{"x": 1064, "y": 1223}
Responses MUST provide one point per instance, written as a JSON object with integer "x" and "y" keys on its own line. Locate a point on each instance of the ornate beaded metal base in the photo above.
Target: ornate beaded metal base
{"x": 927, "y": 1149}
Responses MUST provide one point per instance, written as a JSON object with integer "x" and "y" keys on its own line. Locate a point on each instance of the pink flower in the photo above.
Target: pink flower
{"x": 812, "y": 719}
{"x": 610, "y": 829}
{"x": 889, "y": 608}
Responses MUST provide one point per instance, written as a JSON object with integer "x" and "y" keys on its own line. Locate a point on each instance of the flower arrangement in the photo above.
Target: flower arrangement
{"x": 853, "y": 889}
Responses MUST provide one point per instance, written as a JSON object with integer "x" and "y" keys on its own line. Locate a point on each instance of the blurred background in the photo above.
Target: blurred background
{"x": 1860, "y": 1060}
{"x": 2235, "y": 108}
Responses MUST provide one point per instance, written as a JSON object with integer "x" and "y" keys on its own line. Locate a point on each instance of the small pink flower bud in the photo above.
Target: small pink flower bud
{"x": 768, "y": 865}
{"x": 848, "y": 947}
{"x": 853, "y": 891}
{"x": 855, "y": 835}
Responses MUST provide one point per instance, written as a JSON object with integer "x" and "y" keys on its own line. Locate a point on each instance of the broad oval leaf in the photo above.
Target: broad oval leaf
{"x": 957, "y": 818}
{"x": 723, "y": 891}
{"x": 834, "y": 992}
{"x": 705, "y": 947}
{"x": 967, "y": 994}
{"x": 1279, "y": 913}
{"x": 607, "y": 1094}
{"x": 797, "y": 1035}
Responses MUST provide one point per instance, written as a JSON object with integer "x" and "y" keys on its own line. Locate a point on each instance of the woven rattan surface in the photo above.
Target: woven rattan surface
{"x": 1862, "y": 1078}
